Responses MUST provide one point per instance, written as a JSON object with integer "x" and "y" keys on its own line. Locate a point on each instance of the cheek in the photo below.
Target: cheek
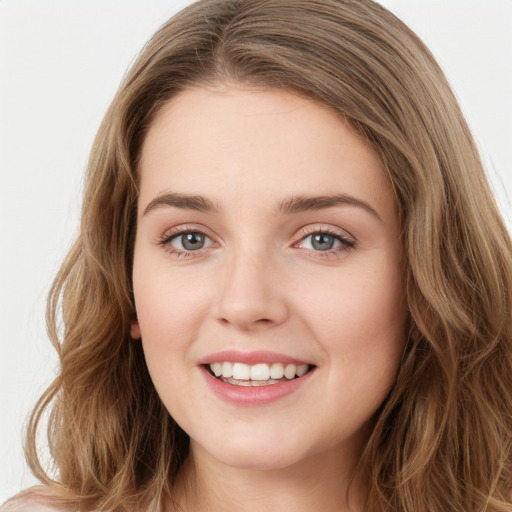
{"x": 168, "y": 310}
{"x": 168, "y": 303}
{"x": 360, "y": 316}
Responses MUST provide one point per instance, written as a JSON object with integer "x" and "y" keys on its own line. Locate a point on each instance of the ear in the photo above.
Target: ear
{"x": 135, "y": 329}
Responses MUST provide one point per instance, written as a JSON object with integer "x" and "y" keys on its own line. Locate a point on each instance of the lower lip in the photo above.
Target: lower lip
{"x": 257, "y": 395}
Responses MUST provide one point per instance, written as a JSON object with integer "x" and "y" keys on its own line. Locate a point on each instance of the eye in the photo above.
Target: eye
{"x": 325, "y": 241}
{"x": 322, "y": 241}
{"x": 185, "y": 242}
{"x": 192, "y": 241}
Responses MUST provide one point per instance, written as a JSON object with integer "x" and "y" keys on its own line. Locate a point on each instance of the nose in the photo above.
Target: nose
{"x": 252, "y": 296}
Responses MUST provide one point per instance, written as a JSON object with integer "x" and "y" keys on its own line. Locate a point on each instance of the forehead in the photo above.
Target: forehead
{"x": 234, "y": 143}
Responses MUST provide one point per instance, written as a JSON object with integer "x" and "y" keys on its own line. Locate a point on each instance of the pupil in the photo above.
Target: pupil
{"x": 322, "y": 242}
{"x": 192, "y": 241}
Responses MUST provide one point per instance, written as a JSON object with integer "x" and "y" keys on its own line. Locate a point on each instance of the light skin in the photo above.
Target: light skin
{"x": 265, "y": 223}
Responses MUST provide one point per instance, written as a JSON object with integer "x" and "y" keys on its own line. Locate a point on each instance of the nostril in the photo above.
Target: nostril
{"x": 247, "y": 324}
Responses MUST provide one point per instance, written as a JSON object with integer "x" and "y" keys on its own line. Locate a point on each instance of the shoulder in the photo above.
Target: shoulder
{"x": 35, "y": 499}
{"x": 42, "y": 499}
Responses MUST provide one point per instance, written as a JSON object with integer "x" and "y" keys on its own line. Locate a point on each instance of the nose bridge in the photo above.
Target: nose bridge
{"x": 250, "y": 292}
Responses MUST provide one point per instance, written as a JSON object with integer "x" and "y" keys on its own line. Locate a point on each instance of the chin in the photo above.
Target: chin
{"x": 257, "y": 453}
{"x": 262, "y": 460}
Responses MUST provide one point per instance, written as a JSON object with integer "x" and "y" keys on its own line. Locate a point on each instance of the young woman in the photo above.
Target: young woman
{"x": 292, "y": 286}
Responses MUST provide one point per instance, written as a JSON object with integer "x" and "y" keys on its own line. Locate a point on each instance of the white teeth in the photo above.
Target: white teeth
{"x": 257, "y": 372}
{"x": 216, "y": 369}
{"x": 227, "y": 369}
{"x": 241, "y": 371}
{"x": 301, "y": 370}
{"x": 277, "y": 371}
{"x": 260, "y": 372}
{"x": 289, "y": 371}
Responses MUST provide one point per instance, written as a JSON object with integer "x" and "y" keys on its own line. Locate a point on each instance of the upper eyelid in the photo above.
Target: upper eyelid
{"x": 187, "y": 228}
{"x": 327, "y": 229}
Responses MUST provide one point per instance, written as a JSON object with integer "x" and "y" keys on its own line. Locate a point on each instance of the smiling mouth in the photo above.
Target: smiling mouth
{"x": 261, "y": 374}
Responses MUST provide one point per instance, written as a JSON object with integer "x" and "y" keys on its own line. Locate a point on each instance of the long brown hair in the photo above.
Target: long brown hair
{"x": 443, "y": 438}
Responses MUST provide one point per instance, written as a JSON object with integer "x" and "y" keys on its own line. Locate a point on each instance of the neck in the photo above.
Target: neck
{"x": 207, "y": 485}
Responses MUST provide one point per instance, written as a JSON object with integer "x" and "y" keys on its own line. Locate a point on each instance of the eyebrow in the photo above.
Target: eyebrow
{"x": 185, "y": 201}
{"x": 307, "y": 203}
{"x": 296, "y": 204}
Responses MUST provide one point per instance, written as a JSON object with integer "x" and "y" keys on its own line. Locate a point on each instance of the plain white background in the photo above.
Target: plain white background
{"x": 60, "y": 64}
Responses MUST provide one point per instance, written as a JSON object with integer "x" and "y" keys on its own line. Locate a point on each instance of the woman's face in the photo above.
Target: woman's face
{"x": 267, "y": 242}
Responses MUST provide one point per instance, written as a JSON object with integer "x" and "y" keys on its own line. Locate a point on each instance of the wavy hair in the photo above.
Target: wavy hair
{"x": 443, "y": 438}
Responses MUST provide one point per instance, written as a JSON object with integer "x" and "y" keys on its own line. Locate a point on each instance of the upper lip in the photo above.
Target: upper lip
{"x": 252, "y": 357}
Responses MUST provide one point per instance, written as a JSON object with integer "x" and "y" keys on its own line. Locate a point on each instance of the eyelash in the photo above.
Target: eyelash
{"x": 167, "y": 238}
{"x": 346, "y": 243}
